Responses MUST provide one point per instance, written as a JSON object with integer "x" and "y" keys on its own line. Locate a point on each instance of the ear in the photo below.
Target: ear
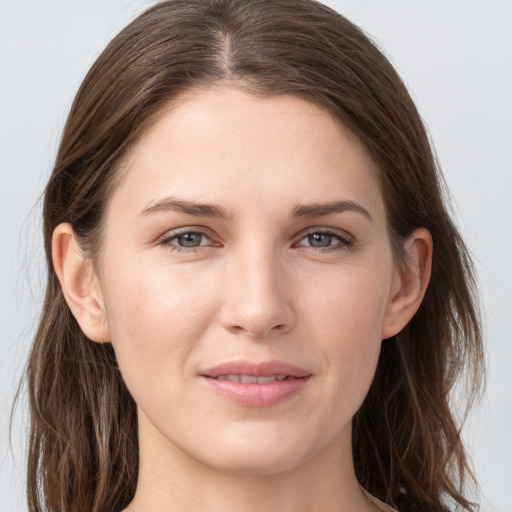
{"x": 410, "y": 282}
{"x": 80, "y": 284}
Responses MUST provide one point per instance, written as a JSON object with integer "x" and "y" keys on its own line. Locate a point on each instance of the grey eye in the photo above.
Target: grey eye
{"x": 189, "y": 239}
{"x": 320, "y": 239}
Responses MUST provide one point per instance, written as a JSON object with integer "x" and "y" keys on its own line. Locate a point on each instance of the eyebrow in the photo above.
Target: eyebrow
{"x": 329, "y": 208}
{"x": 187, "y": 207}
{"x": 212, "y": 210}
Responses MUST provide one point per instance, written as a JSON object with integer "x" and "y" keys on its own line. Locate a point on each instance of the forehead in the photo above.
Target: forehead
{"x": 224, "y": 144}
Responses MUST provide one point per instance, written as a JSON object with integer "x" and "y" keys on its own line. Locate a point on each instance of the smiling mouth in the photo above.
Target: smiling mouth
{"x": 256, "y": 384}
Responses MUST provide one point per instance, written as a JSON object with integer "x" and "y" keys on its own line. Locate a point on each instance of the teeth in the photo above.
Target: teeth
{"x": 264, "y": 380}
{"x": 252, "y": 379}
{"x": 248, "y": 379}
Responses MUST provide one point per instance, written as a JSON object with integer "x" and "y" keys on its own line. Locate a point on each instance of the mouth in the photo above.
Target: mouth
{"x": 276, "y": 370}
{"x": 261, "y": 384}
{"x": 253, "y": 379}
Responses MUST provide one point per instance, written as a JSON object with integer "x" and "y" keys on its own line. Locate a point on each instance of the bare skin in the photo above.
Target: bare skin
{"x": 179, "y": 292}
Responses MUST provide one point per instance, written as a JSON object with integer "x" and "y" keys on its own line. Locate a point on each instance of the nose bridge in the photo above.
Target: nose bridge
{"x": 257, "y": 301}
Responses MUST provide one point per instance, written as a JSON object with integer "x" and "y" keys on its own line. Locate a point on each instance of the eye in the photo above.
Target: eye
{"x": 326, "y": 240}
{"x": 191, "y": 241}
{"x": 187, "y": 241}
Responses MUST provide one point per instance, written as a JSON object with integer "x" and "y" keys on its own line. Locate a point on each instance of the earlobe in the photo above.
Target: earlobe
{"x": 411, "y": 282}
{"x": 79, "y": 284}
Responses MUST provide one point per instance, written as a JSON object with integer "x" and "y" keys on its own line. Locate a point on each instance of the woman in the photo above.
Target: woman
{"x": 253, "y": 280}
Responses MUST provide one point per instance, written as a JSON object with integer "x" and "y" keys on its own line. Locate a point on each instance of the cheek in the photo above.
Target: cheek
{"x": 159, "y": 315}
{"x": 348, "y": 303}
{"x": 345, "y": 317}
{"x": 156, "y": 317}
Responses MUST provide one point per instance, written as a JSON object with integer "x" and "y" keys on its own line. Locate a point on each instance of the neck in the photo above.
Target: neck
{"x": 172, "y": 481}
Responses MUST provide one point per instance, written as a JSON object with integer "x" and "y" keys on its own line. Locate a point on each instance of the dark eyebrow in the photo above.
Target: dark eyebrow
{"x": 330, "y": 208}
{"x": 213, "y": 210}
{"x": 187, "y": 207}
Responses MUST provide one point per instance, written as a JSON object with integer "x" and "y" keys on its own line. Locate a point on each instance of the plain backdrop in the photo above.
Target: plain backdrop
{"x": 455, "y": 57}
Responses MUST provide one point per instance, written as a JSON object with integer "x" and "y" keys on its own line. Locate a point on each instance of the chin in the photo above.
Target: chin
{"x": 256, "y": 464}
{"x": 257, "y": 453}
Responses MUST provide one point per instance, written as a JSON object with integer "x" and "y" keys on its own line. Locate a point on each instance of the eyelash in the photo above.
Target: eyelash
{"x": 345, "y": 241}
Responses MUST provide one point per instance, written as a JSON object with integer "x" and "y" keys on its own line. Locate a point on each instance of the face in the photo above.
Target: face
{"x": 247, "y": 277}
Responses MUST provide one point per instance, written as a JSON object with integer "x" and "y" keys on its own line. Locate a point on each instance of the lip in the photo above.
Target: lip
{"x": 256, "y": 395}
{"x": 258, "y": 369}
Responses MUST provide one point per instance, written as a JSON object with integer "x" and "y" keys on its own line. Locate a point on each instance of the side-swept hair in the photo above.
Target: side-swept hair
{"x": 83, "y": 452}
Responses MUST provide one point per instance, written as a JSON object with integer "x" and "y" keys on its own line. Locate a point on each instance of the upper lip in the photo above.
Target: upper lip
{"x": 257, "y": 369}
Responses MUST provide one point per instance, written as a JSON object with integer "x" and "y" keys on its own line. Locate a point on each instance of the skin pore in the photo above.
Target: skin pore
{"x": 245, "y": 229}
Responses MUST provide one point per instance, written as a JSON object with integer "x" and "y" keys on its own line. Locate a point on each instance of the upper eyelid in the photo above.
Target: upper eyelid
{"x": 330, "y": 231}
{"x": 168, "y": 235}
{"x": 343, "y": 238}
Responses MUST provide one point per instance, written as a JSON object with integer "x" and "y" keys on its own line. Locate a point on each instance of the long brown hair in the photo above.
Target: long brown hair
{"x": 83, "y": 452}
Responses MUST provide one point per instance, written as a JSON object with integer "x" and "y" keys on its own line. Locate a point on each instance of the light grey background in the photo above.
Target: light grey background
{"x": 455, "y": 57}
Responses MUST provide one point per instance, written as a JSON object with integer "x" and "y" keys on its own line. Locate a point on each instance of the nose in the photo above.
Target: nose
{"x": 258, "y": 297}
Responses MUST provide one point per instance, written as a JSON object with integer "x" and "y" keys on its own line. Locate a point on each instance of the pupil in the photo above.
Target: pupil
{"x": 189, "y": 239}
{"x": 320, "y": 240}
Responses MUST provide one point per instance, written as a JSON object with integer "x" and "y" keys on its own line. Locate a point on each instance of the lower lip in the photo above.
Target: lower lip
{"x": 257, "y": 395}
